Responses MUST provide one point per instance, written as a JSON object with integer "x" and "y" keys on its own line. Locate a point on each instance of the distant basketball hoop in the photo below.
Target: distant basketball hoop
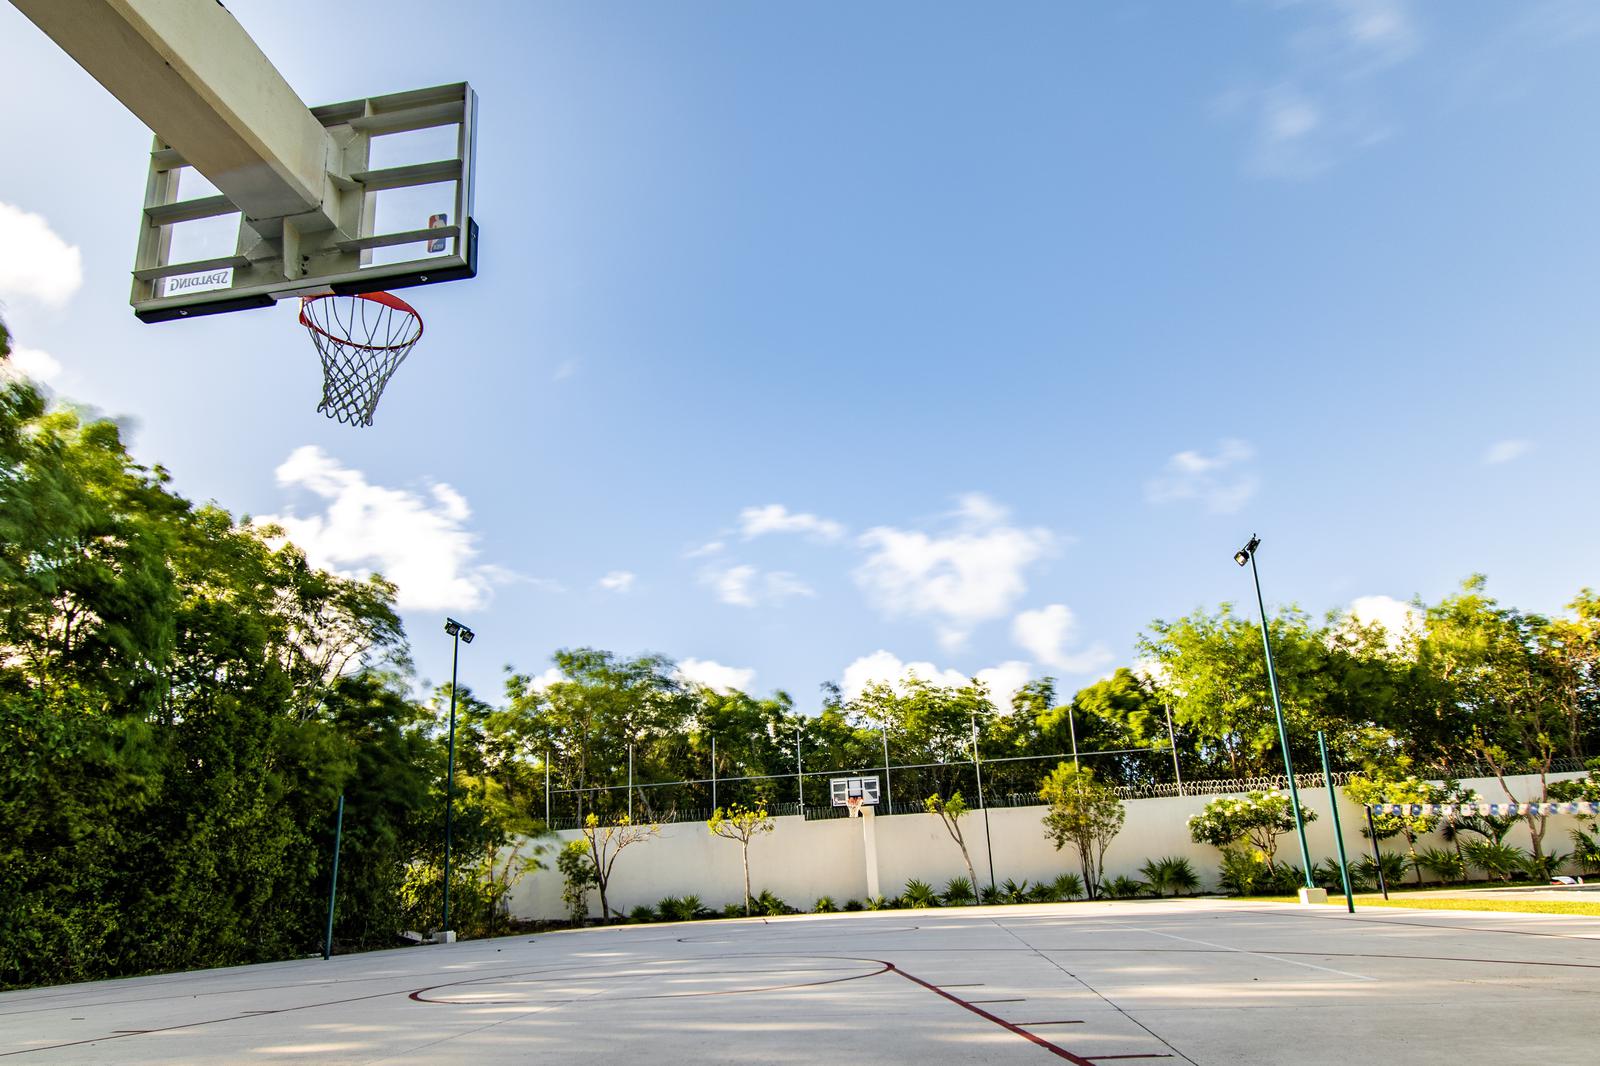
{"x": 853, "y": 793}
{"x": 362, "y": 340}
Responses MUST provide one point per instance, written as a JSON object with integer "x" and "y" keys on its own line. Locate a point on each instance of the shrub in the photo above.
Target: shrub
{"x": 1242, "y": 870}
{"x": 1364, "y": 873}
{"x": 1124, "y": 887}
{"x": 1172, "y": 874}
{"x": 919, "y": 894}
{"x": 958, "y": 892}
{"x": 991, "y": 894}
{"x": 734, "y": 910}
{"x": 824, "y": 905}
{"x": 852, "y": 905}
{"x": 1494, "y": 859}
{"x": 673, "y": 909}
{"x": 877, "y": 903}
{"x": 1586, "y": 849}
{"x": 642, "y": 913}
{"x": 768, "y": 905}
{"x": 1066, "y": 886}
{"x": 1326, "y": 876}
{"x": 1543, "y": 868}
{"x": 1015, "y": 891}
{"x": 1444, "y": 863}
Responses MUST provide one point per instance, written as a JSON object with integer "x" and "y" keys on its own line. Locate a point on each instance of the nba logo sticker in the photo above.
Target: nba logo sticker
{"x": 434, "y": 222}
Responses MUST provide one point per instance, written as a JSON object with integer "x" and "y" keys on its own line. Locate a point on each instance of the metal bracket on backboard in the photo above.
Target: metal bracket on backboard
{"x": 328, "y": 249}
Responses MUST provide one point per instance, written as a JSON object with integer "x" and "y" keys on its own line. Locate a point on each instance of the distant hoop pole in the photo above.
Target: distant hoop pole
{"x": 1338, "y": 833}
{"x": 1377, "y": 855}
{"x": 333, "y": 880}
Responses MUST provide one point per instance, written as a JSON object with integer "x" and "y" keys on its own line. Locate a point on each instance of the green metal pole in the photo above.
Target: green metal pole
{"x": 333, "y": 881}
{"x": 1338, "y": 833}
{"x": 450, "y": 780}
{"x": 1283, "y": 730}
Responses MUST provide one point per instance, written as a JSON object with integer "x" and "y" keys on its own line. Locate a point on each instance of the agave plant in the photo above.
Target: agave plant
{"x": 1124, "y": 887}
{"x": 1172, "y": 874}
{"x": 958, "y": 892}
{"x": 824, "y": 905}
{"x": 919, "y": 894}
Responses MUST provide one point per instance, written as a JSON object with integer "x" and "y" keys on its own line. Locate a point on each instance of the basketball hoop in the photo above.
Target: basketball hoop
{"x": 362, "y": 340}
{"x": 854, "y": 805}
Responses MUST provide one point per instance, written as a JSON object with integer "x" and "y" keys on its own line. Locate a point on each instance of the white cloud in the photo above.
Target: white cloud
{"x": 745, "y": 586}
{"x": 419, "y": 541}
{"x": 1222, "y": 482}
{"x": 35, "y": 263}
{"x": 1322, "y": 102}
{"x": 882, "y": 667}
{"x": 958, "y": 579}
{"x": 776, "y": 518}
{"x": 31, "y": 363}
{"x": 713, "y": 675}
{"x": 1398, "y": 619}
{"x": 1047, "y": 632}
{"x": 711, "y": 548}
{"x": 540, "y": 682}
{"x": 1506, "y": 450}
{"x": 617, "y": 581}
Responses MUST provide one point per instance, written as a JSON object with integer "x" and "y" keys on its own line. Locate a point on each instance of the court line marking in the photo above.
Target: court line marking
{"x": 1259, "y": 955}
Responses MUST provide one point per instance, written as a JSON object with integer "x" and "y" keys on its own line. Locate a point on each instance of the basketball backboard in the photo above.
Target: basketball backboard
{"x": 253, "y": 197}
{"x": 844, "y": 789}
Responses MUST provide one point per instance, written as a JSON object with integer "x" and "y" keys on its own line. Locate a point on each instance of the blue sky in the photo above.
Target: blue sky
{"x": 971, "y": 335}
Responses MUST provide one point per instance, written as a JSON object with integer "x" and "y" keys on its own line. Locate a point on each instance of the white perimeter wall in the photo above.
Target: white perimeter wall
{"x": 801, "y": 860}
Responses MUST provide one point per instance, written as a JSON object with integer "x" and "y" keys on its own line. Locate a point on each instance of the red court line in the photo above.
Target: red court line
{"x": 1054, "y": 1049}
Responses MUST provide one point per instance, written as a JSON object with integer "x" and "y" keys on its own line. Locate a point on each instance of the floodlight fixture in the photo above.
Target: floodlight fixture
{"x": 1244, "y": 554}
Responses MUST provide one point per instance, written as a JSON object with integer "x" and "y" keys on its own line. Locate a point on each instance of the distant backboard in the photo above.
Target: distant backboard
{"x": 252, "y": 196}
{"x": 843, "y": 789}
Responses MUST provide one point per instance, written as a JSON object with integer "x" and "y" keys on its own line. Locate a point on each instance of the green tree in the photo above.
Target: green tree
{"x": 1257, "y": 817}
{"x": 1084, "y": 813}
{"x": 741, "y": 824}
{"x": 950, "y": 812}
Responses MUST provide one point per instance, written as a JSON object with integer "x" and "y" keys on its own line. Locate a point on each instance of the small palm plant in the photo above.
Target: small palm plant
{"x": 824, "y": 905}
{"x": 1172, "y": 874}
{"x": 1124, "y": 887}
{"x": 1586, "y": 849}
{"x": 1014, "y": 891}
{"x": 877, "y": 903}
{"x": 919, "y": 894}
{"x": 1065, "y": 887}
{"x": 1495, "y": 859}
{"x": 958, "y": 892}
{"x": 1444, "y": 863}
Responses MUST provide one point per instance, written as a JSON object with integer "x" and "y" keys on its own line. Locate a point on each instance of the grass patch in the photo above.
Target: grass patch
{"x": 1580, "y": 908}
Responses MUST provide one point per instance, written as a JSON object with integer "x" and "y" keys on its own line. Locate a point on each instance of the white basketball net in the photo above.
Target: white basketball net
{"x": 854, "y": 805}
{"x": 362, "y": 341}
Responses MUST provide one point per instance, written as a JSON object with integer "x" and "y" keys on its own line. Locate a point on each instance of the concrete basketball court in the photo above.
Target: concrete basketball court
{"x": 1205, "y": 982}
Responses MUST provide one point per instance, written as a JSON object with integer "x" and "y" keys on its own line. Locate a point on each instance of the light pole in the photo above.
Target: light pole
{"x": 1247, "y": 554}
{"x": 458, "y": 634}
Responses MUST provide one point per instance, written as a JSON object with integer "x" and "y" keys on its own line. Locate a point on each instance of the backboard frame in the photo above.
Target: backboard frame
{"x": 327, "y": 250}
